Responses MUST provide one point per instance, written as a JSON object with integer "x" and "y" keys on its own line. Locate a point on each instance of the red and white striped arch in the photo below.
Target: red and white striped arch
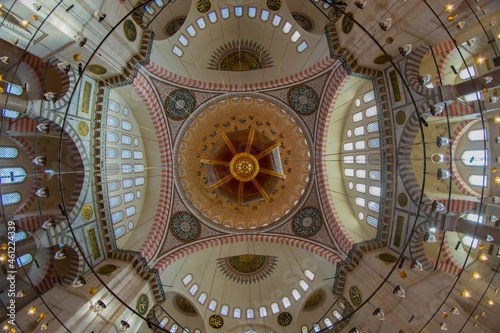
{"x": 181, "y": 80}
{"x": 322, "y": 251}
{"x": 334, "y": 88}
{"x": 146, "y": 92}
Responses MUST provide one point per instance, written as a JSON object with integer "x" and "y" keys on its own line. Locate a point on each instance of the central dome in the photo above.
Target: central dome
{"x": 244, "y": 166}
{"x": 243, "y": 162}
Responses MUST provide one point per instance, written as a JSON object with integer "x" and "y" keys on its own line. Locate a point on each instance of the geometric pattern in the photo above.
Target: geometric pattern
{"x": 179, "y": 104}
{"x": 307, "y": 222}
{"x": 303, "y": 99}
{"x": 185, "y": 227}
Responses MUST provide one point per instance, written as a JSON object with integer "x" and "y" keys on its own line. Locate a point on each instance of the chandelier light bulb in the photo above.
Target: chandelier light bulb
{"x": 476, "y": 275}
{"x": 483, "y": 257}
{"x": 360, "y": 3}
{"x": 455, "y": 311}
{"x": 449, "y": 7}
{"x": 399, "y": 291}
{"x": 461, "y": 25}
{"x": 465, "y": 293}
{"x": 379, "y": 314}
{"x": 443, "y": 326}
{"x": 385, "y": 24}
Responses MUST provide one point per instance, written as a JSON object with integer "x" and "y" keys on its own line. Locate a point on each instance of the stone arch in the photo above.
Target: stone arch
{"x": 318, "y": 249}
{"x": 412, "y": 72}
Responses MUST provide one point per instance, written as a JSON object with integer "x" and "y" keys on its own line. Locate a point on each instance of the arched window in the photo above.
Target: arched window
{"x": 188, "y": 278}
{"x": 213, "y": 305}
{"x": 115, "y": 201}
{"x": 151, "y": 11}
{"x": 212, "y": 16}
{"x": 369, "y": 96}
{"x": 296, "y": 295}
{"x": 12, "y": 175}
{"x": 173, "y": 329}
{"x": 372, "y": 221}
{"x": 120, "y": 231}
{"x": 126, "y": 153}
{"x": 127, "y": 197}
{"x": 20, "y": 236}
{"x": 6, "y": 113}
{"x": 11, "y": 198}
{"x": 375, "y": 191}
{"x": 126, "y": 139}
{"x": 286, "y": 302}
{"x": 275, "y": 307}
{"x": 9, "y": 152}
{"x": 316, "y": 328}
{"x": 237, "y": 313}
{"x": 337, "y": 315}
{"x": 14, "y": 89}
{"x": 250, "y": 313}
{"x": 202, "y": 298}
{"x": 127, "y": 182}
{"x": 303, "y": 329}
{"x": 310, "y": 275}
{"x": 163, "y": 322}
{"x": 478, "y": 180}
{"x": 193, "y": 289}
{"x": 477, "y": 157}
{"x": 328, "y": 322}
{"x": 477, "y": 135}
{"x": 466, "y": 73}
{"x": 111, "y": 153}
{"x": 374, "y": 175}
{"x": 303, "y": 284}
{"x": 224, "y": 13}
{"x": 129, "y": 211}
{"x": 263, "y": 312}
{"x": 113, "y": 185}
{"x": 24, "y": 260}
{"x": 112, "y": 121}
{"x": 224, "y": 310}
{"x": 361, "y": 173}
{"x": 374, "y": 206}
{"x": 470, "y": 242}
{"x": 117, "y": 216}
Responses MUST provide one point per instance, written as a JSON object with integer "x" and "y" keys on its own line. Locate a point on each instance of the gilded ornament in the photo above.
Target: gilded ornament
{"x": 97, "y": 69}
{"x": 142, "y": 304}
{"x": 274, "y": 4}
{"x": 83, "y": 129}
{"x": 130, "y": 30}
{"x": 284, "y": 319}
{"x": 402, "y": 199}
{"x": 347, "y": 23}
{"x": 203, "y": 6}
{"x": 400, "y": 117}
{"x": 216, "y": 321}
{"x": 87, "y": 212}
{"x": 355, "y": 295}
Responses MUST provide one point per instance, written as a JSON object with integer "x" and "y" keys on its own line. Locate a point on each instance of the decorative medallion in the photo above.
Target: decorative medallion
{"x": 142, "y": 304}
{"x": 249, "y": 268}
{"x": 347, "y": 23}
{"x": 284, "y": 319}
{"x": 253, "y": 173}
{"x": 303, "y": 99}
{"x": 274, "y": 4}
{"x": 97, "y": 69}
{"x": 387, "y": 258}
{"x": 203, "y": 6}
{"x": 87, "y": 212}
{"x": 184, "y": 305}
{"x": 400, "y": 117}
{"x": 240, "y": 55}
{"x": 307, "y": 222}
{"x": 216, "y": 321}
{"x": 174, "y": 25}
{"x": 381, "y": 60}
{"x": 185, "y": 227}
{"x": 314, "y": 301}
{"x": 304, "y": 22}
{"x": 107, "y": 269}
{"x": 130, "y": 30}
{"x": 402, "y": 199}
{"x": 355, "y": 295}
{"x": 83, "y": 129}
{"x": 179, "y": 104}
